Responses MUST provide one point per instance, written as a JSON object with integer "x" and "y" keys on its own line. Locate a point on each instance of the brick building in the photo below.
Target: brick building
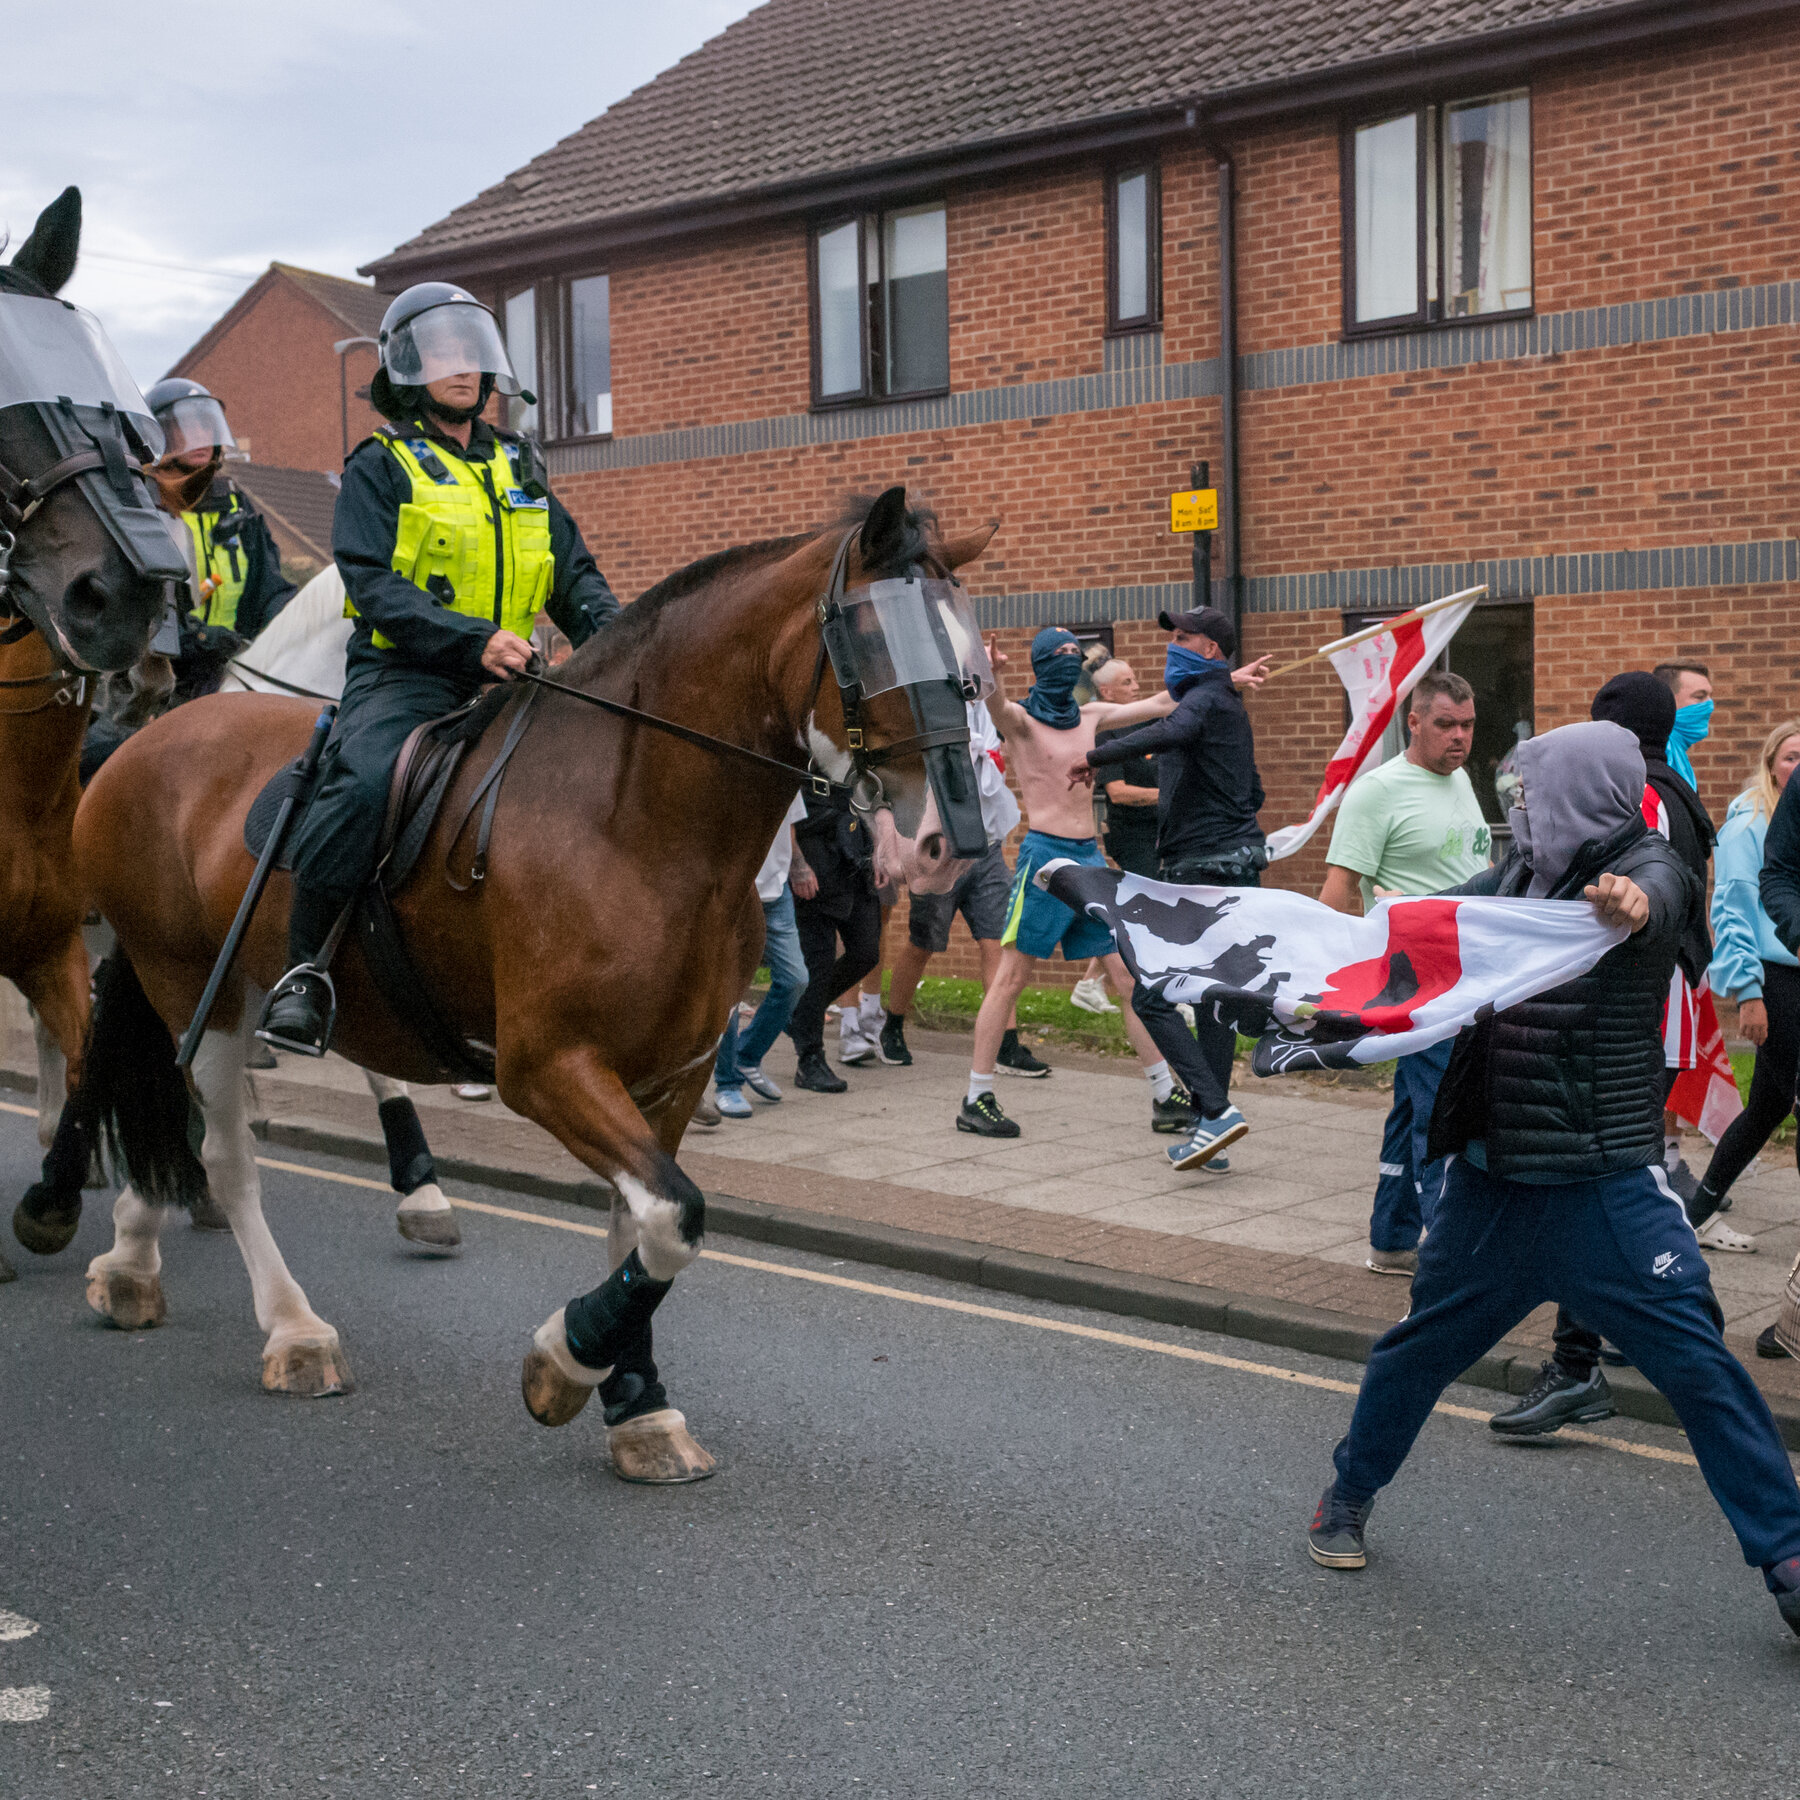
{"x": 291, "y": 400}
{"x": 1481, "y": 290}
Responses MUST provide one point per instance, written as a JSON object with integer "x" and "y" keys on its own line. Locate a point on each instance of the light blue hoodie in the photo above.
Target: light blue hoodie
{"x": 1743, "y": 938}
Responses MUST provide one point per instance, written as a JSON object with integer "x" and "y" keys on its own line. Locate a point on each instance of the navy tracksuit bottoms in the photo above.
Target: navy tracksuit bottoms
{"x": 1619, "y": 1252}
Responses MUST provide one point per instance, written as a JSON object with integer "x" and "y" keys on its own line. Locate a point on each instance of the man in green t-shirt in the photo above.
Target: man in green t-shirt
{"x": 1411, "y": 826}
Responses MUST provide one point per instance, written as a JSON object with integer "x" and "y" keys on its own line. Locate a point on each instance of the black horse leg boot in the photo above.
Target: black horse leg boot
{"x": 302, "y": 1006}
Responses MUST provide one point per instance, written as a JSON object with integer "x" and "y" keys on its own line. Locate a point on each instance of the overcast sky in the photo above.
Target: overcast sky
{"x": 210, "y": 138}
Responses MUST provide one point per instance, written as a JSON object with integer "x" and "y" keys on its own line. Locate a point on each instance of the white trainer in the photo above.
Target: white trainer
{"x": 1089, "y": 993}
{"x": 1715, "y": 1234}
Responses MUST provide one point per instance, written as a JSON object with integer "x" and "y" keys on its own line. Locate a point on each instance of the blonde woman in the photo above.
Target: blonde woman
{"x": 1759, "y": 973}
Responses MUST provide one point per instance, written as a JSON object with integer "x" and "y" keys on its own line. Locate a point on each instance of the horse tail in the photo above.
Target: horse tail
{"x": 133, "y": 1100}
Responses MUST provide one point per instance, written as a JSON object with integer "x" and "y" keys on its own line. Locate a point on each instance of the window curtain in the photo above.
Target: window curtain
{"x": 1504, "y": 270}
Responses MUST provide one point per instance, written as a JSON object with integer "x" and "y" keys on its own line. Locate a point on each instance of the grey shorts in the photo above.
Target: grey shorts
{"x": 980, "y": 897}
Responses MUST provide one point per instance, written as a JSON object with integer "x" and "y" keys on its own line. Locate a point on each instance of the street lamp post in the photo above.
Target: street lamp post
{"x": 341, "y": 347}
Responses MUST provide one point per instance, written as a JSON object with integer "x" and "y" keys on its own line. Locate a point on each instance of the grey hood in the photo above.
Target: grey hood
{"x": 1581, "y": 783}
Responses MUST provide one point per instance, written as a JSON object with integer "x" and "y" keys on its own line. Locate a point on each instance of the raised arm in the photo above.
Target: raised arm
{"x": 1010, "y": 719}
{"x": 1108, "y": 716}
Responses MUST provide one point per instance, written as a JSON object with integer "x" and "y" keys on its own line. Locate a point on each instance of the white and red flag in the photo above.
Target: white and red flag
{"x": 1321, "y": 989}
{"x": 1378, "y": 669}
{"x": 1706, "y": 1096}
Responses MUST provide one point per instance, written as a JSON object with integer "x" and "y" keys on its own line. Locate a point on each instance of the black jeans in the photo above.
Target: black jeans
{"x": 1201, "y": 1058}
{"x": 1771, "y": 1091}
{"x": 822, "y": 921}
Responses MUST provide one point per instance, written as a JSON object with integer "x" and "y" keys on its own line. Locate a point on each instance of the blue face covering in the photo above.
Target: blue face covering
{"x": 1052, "y": 697}
{"x": 1183, "y": 667}
{"x": 1692, "y": 723}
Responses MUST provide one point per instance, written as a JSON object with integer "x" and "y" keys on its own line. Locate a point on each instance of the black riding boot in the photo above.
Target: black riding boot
{"x": 302, "y": 1007}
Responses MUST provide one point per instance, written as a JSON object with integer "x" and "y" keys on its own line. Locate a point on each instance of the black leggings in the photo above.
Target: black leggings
{"x": 1771, "y": 1090}
{"x": 826, "y": 979}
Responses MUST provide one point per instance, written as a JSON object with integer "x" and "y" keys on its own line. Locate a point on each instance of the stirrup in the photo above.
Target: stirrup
{"x": 294, "y": 982}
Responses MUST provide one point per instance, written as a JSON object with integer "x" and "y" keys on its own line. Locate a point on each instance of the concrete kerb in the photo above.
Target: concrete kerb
{"x": 1507, "y": 1369}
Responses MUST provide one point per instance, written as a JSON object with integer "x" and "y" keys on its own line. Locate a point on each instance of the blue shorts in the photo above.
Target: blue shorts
{"x": 1037, "y": 924}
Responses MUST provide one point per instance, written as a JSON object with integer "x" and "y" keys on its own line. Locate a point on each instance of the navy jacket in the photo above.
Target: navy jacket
{"x": 438, "y": 640}
{"x": 1780, "y": 882}
{"x": 1208, "y": 790}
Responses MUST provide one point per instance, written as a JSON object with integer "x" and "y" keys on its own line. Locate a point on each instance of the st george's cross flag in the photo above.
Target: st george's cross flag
{"x": 1320, "y": 989}
{"x": 1378, "y": 670}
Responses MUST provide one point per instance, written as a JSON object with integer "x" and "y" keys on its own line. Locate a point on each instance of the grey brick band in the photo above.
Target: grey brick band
{"x": 1524, "y": 578}
{"x": 1135, "y": 375}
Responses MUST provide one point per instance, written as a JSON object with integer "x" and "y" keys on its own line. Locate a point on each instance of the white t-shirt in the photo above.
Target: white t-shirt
{"x": 999, "y": 810}
{"x": 771, "y": 878}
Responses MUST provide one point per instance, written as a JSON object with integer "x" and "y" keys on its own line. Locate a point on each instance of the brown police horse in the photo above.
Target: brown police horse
{"x": 70, "y": 603}
{"x": 617, "y": 924}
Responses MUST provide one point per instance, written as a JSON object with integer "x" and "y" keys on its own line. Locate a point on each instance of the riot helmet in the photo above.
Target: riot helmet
{"x": 191, "y": 419}
{"x": 433, "y": 331}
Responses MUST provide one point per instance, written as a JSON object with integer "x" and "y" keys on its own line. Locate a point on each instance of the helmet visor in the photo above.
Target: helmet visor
{"x": 458, "y": 338}
{"x": 51, "y": 351}
{"x": 905, "y": 633}
{"x": 195, "y": 424}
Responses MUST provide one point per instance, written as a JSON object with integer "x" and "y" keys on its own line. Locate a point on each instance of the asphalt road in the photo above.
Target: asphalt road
{"x": 946, "y": 1553}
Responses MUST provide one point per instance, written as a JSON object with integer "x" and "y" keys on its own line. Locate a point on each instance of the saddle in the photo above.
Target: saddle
{"x": 423, "y": 772}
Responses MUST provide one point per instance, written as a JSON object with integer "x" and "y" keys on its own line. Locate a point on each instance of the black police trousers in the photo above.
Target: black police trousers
{"x": 384, "y": 700}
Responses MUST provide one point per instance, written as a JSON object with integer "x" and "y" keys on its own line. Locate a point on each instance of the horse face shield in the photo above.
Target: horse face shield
{"x": 56, "y": 359}
{"x": 920, "y": 636}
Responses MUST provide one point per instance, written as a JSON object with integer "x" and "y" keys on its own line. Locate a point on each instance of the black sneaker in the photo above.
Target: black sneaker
{"x": 1015, "y": 1059}
{"x": 1175, "y": 1114}
{"x": 984, "y": 1117}
{"x": 892, "y": 1048}
{"x": 1335, "y": 1536}
{"x": 300, "y": 1013}
{"x": 1768, "y": 1344}
{"x": 1784, "y": 1584}
{"x": 1556, "y": 1399}
{"x": 816, "y": 1075}
{"x": 1684, "y": 1181}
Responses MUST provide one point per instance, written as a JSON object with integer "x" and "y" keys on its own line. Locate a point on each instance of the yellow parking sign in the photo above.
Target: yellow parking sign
{"x": 1196, "y": 510}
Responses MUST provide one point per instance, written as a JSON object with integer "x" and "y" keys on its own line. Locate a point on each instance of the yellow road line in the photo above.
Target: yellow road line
{"x": 1001, "y": 1315}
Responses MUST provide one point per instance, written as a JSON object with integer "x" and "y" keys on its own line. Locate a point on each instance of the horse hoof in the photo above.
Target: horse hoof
{"x": 659, "y": 1450}
{"x": 550, "y": 1396}
{"x": 206, "y": 1214}
{"x": 51, "y": 1228}
{"x": 435, "y": 1231}
{"x": 126, "y": 1301}
{"x": 311, "y": 1371}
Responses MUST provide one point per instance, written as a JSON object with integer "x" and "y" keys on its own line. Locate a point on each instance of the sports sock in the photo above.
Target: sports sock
{"x": 1671, "y": 1153}
{"x": 979, "y": 1084}
{"x": 1162, "y": 1082}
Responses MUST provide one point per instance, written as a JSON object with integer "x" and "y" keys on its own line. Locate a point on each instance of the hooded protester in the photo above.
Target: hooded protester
{"x": 1551, "y": 1110}
{"x": 1056, "y": 672}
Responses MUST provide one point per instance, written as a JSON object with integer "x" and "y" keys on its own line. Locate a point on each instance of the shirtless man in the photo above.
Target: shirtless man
{"x": 1043, "y": 737}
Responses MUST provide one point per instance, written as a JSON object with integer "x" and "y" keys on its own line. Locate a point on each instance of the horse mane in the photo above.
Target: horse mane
{"x": 637, "y": 621}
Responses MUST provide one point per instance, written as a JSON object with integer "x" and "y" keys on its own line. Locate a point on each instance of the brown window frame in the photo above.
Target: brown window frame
{"x": 1429, "y": 314}
{"x": 562, "y": 335}
{"x": 870, "y": 393}
{"x": 1151, "y": 320}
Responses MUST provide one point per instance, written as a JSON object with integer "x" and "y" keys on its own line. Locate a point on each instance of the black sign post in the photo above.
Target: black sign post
{"x": 1201, "y": 473}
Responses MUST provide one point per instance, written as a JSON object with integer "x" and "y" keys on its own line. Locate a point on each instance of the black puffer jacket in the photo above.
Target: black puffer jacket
{"x": 1570, "y": 1082}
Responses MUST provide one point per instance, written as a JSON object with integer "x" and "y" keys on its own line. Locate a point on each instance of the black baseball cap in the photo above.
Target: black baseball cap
{"x": 1204, "y": 621}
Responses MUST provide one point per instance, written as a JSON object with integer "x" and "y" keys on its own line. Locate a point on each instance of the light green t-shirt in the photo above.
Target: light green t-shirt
{"x": 1403, "y": 827}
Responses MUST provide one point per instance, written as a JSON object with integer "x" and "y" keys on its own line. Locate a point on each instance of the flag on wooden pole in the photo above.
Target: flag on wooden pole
{"x": 1379, "y": 668}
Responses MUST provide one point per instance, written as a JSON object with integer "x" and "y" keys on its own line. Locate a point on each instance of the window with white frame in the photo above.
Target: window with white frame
{"x": 519, "y": 316}
{"x": 1438, "y": 213}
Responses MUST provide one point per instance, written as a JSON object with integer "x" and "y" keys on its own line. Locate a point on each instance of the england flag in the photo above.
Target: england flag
{"x": 1320, "y": 989}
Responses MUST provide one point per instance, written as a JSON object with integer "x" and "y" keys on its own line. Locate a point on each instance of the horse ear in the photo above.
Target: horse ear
{"x": 954, "y": 552}
{"x": 48, "y": 255}
{"x": 884, "y": 530}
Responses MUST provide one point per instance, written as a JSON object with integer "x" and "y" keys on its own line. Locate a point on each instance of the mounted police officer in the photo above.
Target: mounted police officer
{"x": 449, "y": 544}
{"x": 238, "y": 583}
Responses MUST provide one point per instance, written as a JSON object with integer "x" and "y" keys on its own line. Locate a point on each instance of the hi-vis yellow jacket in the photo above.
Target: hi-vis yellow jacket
{"x": 470, "y": 536}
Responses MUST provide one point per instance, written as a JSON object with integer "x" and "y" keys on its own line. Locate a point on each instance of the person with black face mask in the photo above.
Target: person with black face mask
{"x": 449, "y": 544}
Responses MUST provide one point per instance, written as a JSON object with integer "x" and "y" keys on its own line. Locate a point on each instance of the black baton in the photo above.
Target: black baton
{"x": 265, "y": 864}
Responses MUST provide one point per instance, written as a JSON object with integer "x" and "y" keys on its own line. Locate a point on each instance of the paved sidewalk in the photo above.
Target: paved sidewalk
{"x": 1087, "y": 1181}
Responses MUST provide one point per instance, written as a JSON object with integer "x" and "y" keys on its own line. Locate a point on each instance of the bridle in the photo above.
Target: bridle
{"x": 21, "y": 498}
{"x": 865, "y": 790}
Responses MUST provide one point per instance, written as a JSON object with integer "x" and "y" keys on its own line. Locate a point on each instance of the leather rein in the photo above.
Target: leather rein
{"x": 865, "y": 792}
